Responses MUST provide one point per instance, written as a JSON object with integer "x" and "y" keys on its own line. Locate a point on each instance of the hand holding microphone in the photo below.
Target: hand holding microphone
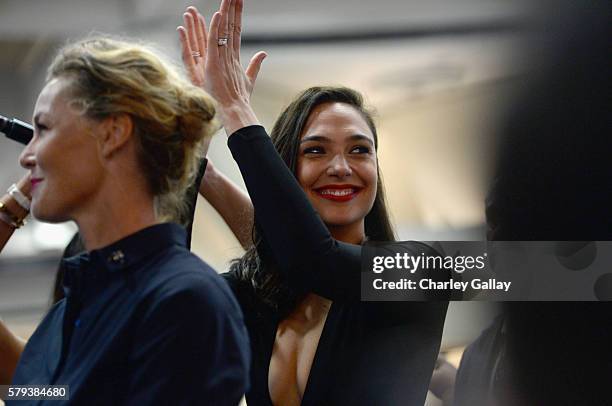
{"x": 15, "y": 205}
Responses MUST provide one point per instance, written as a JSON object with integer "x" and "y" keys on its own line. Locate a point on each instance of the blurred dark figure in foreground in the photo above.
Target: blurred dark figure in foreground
{"x": 553, "y": 182}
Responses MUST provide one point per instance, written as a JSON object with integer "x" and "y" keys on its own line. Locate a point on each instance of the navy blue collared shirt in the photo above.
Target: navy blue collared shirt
{"x": 144, "y": 322}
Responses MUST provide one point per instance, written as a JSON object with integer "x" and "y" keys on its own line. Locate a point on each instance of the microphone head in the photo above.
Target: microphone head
{"x": 16, "y": 130}
{"x": 3, "y": 122}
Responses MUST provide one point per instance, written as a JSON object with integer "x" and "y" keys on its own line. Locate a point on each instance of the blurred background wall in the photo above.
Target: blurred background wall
{"x": 437, "y": 72}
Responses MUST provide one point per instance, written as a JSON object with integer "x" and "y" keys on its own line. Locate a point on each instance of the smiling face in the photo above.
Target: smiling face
{"x": 62, "y": 157}
{"x": 337, "y": 167}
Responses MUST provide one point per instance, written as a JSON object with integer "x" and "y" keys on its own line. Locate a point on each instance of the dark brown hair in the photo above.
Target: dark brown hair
{"x": 261, "y": 274}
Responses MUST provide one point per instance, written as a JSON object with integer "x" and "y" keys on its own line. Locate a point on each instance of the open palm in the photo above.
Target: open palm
{"x": 194, "y": 40}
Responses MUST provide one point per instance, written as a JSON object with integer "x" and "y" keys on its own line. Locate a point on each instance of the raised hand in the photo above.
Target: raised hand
{"x": 193, "y": 38}
{"x": 225, "y": 79}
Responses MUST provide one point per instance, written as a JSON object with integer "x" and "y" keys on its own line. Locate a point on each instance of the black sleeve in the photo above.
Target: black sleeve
{"x": 299, "y": 240}
{"x": 297, "y": 237}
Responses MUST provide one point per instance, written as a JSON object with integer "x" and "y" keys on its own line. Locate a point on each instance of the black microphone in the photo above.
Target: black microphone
{"x": 16, "y": 130}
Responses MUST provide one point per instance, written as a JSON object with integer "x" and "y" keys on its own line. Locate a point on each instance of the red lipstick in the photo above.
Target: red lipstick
{"x": 338, "y": 193}
{"x": 35, "y": 181}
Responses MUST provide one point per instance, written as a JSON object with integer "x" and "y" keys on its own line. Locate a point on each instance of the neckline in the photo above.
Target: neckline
{"x": 131, "y": 249}
{"x": 317, "y": 362}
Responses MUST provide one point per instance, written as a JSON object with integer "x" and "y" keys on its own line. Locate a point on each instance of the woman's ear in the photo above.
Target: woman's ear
{"x": 113, "y": 133}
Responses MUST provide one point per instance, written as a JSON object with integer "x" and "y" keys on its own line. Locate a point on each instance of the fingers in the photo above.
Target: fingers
{"x": 230, "y": 26}
{"x": 237, "y": 28}
{"x": 186, "y": 54}
{"x": 254, "y": 66}
{"x": 213, "y": 33}
{"x": 231, "y": 16}
{"x": 199, "y": 28}
{"x": 191, "y": 32}
{"x": 224, "y": 31}
{"x": 202, "y": 29}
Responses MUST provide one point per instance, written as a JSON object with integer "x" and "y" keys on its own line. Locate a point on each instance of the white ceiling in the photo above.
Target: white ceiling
{"x": 27, "y": 19}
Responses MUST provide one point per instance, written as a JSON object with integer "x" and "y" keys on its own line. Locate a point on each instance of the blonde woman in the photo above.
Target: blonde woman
{"x": 116, "y": 142}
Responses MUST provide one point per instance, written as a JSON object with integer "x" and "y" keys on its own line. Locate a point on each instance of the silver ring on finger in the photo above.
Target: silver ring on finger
{"x": 222, "y": 42}
{"x": 195, "y": 54}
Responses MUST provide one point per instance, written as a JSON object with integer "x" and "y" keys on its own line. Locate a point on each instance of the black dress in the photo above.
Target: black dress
{"x": 369, "y": 353}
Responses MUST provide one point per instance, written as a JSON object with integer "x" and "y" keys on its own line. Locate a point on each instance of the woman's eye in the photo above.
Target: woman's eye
{"x": 314, "y": 150}
{"x": 360, "y": 149}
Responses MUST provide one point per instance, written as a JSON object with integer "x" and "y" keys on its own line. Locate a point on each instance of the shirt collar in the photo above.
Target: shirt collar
{"x": 121, "y": 254}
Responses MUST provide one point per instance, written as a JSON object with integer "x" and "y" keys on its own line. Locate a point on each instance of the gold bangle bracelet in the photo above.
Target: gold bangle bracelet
{"x": 5, "y": 219}
{"x": 16, "y": 221}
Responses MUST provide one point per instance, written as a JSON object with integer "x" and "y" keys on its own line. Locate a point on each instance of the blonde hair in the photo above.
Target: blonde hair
{"x": 172, "y": 118}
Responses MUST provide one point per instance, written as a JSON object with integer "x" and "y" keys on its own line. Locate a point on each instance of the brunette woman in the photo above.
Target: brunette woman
{"x": 317, "y": 195}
